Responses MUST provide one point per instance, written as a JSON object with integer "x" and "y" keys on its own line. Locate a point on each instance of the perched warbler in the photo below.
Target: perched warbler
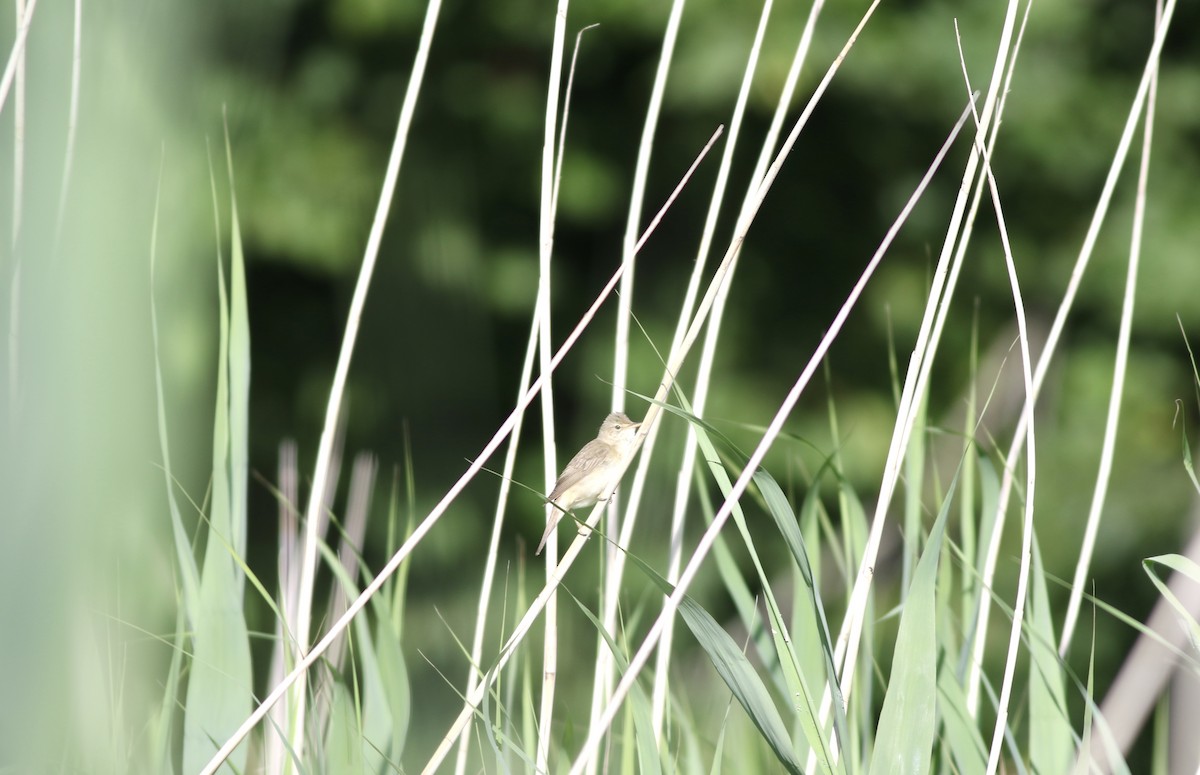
{"x": 589, "y": 475}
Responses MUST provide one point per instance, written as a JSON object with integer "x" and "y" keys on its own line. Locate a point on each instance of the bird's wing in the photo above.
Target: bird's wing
{"x": 584, "y": 461}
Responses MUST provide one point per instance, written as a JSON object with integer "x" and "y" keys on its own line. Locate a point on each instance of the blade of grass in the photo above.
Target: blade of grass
{"x": 220, "y": 682}
{"x": 737, "y": 588}
{"x": 1108, "y": 446}
{"x": 239, "y": 373}
{"x": 341, "y": 373}
{"x": 612, "y": 569}
{"x": 1159, "y": 755}
{"x": 708, "y": 350}
{"x": 493, "y": 553}
{"x": 344, "y": 749}
{"x": 648, "y": 754}
{"x": 386, "y": 701}
{"x": 16, "y": 52}
{"x": 1084, "y": 760}
{"x": 813, "y": 633}
{"x": 914, "y": 479}
{"x": 1050, "y": 734}
{"x": 908, "y": 720}
{"x": 637, "y": 197}
{"x": 185, "y": 559}
{"x": 1186, "y": 613}
{"x": 733, "y": 667}
{"x": 72, "y": 124}
{"x": 542, "y": 315}
{"x": 960, "y": 734}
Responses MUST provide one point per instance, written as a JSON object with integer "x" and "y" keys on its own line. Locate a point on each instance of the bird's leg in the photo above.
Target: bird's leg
{"x": 584, "y": 530}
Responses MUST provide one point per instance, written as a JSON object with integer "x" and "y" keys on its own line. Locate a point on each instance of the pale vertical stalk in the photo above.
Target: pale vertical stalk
{"x": 358, "y": 503}
{"x": 944, "y": 282}
{"x": 531, "y": 614}
{"x": 998, "y": 525}
{"x": 968, "y": 586}
{"x": 636, "y": 199}
{"x": 1014, "y": 641}
{"x": 1108, "y": 448}
{"x": 14, "y": 322}
{"x": 489, "y": 568}
{"x": 342, "y": 371}
{"x": 18, "y": 181}
{"x": 489, "y": 571}
{"x": 671, "y": 604}
{"x": 17, "y": 52}
{"x": 602, "y": 678}
{"x": 550, "y": 466}
{"x": 15, "y": 57}
{"x": 974, "y": 676}
{"x": 18, "y": 185}
{"x": 274, "y": 746}
{"x": 72, "y": 122}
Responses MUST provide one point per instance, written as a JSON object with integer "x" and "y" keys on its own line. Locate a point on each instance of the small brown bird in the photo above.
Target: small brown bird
{"x": 590, "y": 472}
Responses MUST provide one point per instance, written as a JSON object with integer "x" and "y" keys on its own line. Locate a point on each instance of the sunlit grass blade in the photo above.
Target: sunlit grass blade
{"x": 1187, "y": 462}
{"x": 1083, "y": 759}
{"x": 739, "y": 676}
{"x": 908, "y": 721}
{"x": 1181, "y": 565}
{"x": 219, "y": 683}
{"x": 737, "y": 588}
{"x": 344, "y": 747}
{"x": 239, "y": 371}
{"x": 914, "y": 479}
{"x": 719, "y": 748}
{"x": 189, "y": 573}
{"x": 1013, "y": 748}
{"x": 1098, "y": 749}
{"x": 648, "y": 756}
{"x": 161, "y": 728}
{"x": 1050, "y": 734}
{"x": 733, "y": 668}
{"x": 959, "y": 733}
{"x": 386, "y": 700}
{"x": 813, "y": 634}
{"x": 1159, "y": 761}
